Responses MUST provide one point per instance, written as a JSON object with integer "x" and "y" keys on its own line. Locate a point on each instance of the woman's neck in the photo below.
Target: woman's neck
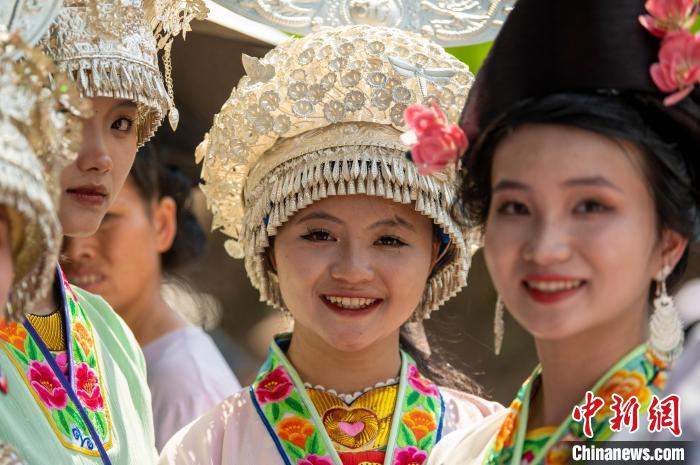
{"x": 571, "y": 366}
{"x": 319, "y": 363}
{"x": 150, "y": 317}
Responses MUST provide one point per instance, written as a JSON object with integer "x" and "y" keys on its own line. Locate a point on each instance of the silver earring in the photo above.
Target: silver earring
{"x": 665, "y": 327}
{"x": 498, "y": 326}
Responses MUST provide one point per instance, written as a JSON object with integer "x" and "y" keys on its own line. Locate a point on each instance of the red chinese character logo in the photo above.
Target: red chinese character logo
{"x": 626, "y": 413}
{"x": 585, "y": 412}
{"x": 665, "y": 413}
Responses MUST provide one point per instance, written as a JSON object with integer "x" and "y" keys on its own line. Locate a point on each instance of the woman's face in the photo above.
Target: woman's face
{"x": 352, "y": 269}
{"x": 6, "y": 263}
{"x": 122, "y": 258}
{"x": 571, "y": 239}
{"x": 90, "y": 184}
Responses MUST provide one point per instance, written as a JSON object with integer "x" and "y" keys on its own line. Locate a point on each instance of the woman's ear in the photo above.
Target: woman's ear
{"x": 165, "y": 223}
{"x": 673, "y": 244}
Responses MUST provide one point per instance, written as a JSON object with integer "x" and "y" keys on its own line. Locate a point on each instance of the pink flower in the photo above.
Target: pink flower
{"x": 88, "y": 387}
{"x": 313, "y": 459}
{"x": 276, "y": 386}
{"x": 421, "y": 384}
{"x": 668, "y": 16}
{"x": 678, "y": 69}
{"x": 434, "y": 143}
{"x": 47, "y": 386}
{"x": 410, "y": 456}
{"x": 62, "y": 362}
{"x": 528, "y": 457}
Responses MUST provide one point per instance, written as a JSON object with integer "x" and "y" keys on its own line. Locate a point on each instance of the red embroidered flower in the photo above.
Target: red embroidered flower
{"x": 313, "y": 459}
{"x": 421, "y": 384}
{"x": 88, "y": 387}
{"x": 410, "y": 456}
{"x": 47, "y": 386}
{"x": 668, "y": 16}
{"x": 678, "y": 70}
{"x": 62, "y": 362}
{"x": 528, "y": 457}
{"x": 434, "y": 143}
{"x": 276, "y": 386}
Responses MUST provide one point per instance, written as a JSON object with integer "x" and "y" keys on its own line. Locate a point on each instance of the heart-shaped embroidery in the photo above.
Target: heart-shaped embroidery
{"x": 352, "y": 428}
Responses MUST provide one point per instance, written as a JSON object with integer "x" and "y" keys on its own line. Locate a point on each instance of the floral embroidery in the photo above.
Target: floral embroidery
{"x": 410, "y": 456}
{"x": 88, "y": 387}
{"x": 276, "y": 386}
{"x": 295, "y": 430}
{"x": 17, "y": 344}
{"x": 313, "y": 459}
{"x": 420, "y": 383}
{"x": 84, "y": 338}
{"x": 302, "y": 435}
{"x": 636, "y": 375}
{"x": 47, "y": 385}
{"x": 668, "y": 16}
{"x": 420, "y": 422}
{"x": 13, "y": 333}
{"x": 625, "y": 384}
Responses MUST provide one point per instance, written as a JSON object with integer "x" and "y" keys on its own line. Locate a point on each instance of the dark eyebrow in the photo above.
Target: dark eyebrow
{"x": 395, "y": 221}
{"x": 509, "y": 184}
{"x": 591, "y": 181}
{"x": 319, "y": 216}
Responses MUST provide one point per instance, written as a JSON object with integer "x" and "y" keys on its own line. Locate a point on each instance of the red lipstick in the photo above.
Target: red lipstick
{"x": 90, "y": 195}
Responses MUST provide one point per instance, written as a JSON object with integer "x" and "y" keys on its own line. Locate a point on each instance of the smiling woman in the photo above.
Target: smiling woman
{"x": 339, "y": 229}
{"x": 584, "y": 182}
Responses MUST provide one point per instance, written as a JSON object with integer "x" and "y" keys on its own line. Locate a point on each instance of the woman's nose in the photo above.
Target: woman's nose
{"x": 549, "y": 244}
{"x": 93, "y": 155}
{"x": 353, "y": 265}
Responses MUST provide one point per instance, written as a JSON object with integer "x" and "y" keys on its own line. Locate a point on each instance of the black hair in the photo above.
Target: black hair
{"x": 154, "y": 179}
{"x": 669, "y": 176}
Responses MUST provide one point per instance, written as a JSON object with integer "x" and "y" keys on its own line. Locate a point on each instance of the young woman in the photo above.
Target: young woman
{"x": 76, "y": 375}
{"x": 148, "y": 231}
{"x": 582, "y": 172}
{"x": 304, "y": 168}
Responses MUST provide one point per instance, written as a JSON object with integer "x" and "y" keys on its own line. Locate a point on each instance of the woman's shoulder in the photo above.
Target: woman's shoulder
{"x": 226, "y": 427}
{"x": 468, "y": 445}
{"x": 463, "y": 410}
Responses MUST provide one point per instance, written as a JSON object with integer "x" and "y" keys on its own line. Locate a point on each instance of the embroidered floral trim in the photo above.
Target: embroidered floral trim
{"x": 678, "y": 69}
{"x": 43, "y": 383}
{"x": 643, "y": 375}
{"x": 349, "y": 398}
{"x": 284, "y": 408}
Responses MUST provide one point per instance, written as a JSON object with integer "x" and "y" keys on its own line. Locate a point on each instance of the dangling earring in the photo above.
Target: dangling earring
{"x": 665, "y": 328}
{"x": 498, "y": 326}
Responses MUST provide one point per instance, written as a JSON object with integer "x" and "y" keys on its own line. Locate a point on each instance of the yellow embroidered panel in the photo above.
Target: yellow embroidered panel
{"x": 363, "y": 425}
{"x": 50, "y": 330}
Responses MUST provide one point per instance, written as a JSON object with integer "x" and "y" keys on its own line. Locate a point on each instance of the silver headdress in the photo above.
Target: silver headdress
{"x": 110, "y": 48}
{"x": 40, "y": 132}
{"x": 322, "y": 116}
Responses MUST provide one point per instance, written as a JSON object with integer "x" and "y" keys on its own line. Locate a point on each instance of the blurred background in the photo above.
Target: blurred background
{"x": 217, "y": 294}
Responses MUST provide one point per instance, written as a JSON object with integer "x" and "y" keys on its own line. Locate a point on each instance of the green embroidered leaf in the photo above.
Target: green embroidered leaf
{"x": 295, "y": 452}
{"x": 427, "y": 442}
{"x": 276, "y": 412}
{"x": 294, "y": 405}
{"x": 78, "y": 351}
{"x": 405, "y": 437}
{"x": 72, "y": 307}
{"x": 75, "y": 416}
{"x": 32, "y": 351}
{"x": 314, "y": 444}
{"x": 21, "y": 357}
{"x": 431, "y": 403}
{"x": 60, "y": 418}
{"x": 99, "y": 424}
{"x": 413, "y": 399}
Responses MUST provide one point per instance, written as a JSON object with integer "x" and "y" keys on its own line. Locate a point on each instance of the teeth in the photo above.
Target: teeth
{"x": 86, "y": 279}
{"x": 350, "y": 302}
{"x": 554, "y": 286}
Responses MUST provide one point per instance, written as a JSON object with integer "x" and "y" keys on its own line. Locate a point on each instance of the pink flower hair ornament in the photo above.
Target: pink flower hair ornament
{"x": 433, "y": 142}
{"x": 678, "y": 69}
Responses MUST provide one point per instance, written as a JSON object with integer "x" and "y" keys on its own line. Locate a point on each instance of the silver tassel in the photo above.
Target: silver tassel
{"x": 498, "y": 326}
{"x": 665, "y": 327}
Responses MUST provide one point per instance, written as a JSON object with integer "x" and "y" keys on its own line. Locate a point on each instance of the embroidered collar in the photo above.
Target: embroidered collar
{"x": 298, "y": 430}
{"x": 638, "y": 373}
{"x": 67, "y": 386}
